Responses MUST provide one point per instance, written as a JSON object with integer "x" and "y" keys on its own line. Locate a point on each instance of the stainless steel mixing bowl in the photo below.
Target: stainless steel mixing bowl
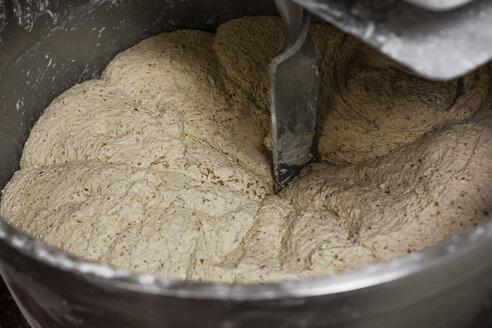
{"x": 47, "y": 46}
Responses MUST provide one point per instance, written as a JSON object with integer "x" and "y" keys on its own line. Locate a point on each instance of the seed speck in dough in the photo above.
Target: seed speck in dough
{"x": 163, "y": 165}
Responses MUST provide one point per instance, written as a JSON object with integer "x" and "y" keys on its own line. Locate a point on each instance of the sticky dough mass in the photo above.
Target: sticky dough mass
{"x": 162, "y": 166}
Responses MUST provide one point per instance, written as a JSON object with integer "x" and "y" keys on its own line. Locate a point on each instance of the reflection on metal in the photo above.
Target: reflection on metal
{"x": 293, "y": 96}
{"x": 437, "y": 45}
{"x": 57, "y": 290}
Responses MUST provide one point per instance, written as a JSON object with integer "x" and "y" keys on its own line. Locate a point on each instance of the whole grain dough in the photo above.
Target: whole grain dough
{"x": 161, "y": 166}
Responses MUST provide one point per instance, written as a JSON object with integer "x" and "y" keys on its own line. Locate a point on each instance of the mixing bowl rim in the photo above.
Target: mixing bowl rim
{"x": 373, "y": 275}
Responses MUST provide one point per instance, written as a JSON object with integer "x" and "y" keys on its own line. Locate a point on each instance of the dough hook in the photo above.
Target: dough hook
{"x": 293, "y": 95}
{"x": 436, "y": 39}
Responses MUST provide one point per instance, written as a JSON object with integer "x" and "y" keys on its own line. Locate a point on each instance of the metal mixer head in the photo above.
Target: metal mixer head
{"x": 435, "y": 44}
{"x": 438, "y": 45}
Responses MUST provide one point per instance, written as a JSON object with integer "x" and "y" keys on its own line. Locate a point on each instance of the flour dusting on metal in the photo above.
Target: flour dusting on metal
{"x": 293, "y": 96}
{"x": 29, "y": 11}
{"x": 21, "y": 101}
{"x": 3, "y": 17}
{"x": 436, "y": 45}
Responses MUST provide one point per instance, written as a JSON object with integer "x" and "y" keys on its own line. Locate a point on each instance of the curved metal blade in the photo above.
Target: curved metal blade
{"x": 293, "y": 96}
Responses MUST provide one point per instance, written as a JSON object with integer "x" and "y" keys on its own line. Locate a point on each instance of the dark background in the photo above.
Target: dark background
{"x": 10, "y": 316}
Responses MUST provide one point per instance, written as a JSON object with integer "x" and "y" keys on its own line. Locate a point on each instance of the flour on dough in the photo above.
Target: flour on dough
{"x": 161, "y": 166}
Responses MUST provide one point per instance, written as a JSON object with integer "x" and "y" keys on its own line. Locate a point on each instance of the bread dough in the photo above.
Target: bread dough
{"x": 161, "y": 165}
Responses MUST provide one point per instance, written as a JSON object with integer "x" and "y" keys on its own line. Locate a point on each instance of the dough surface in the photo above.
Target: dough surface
{"x": 162, "y": 165}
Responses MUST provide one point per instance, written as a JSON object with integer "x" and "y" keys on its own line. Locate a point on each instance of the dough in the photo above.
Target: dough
{"x": 161, "y": 165}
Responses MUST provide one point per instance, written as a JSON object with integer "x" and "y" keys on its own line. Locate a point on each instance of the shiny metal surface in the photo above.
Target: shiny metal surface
{"x": 64, "y": 42}
{"x": 436, "y": 45}
{"x": 293, "y": 95}
{"x": 439, "y": 4}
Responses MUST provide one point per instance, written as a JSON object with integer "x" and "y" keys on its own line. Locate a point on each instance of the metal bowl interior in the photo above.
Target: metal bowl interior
{"x": 462, "y": 249}
{"x": 47, "y": 47}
